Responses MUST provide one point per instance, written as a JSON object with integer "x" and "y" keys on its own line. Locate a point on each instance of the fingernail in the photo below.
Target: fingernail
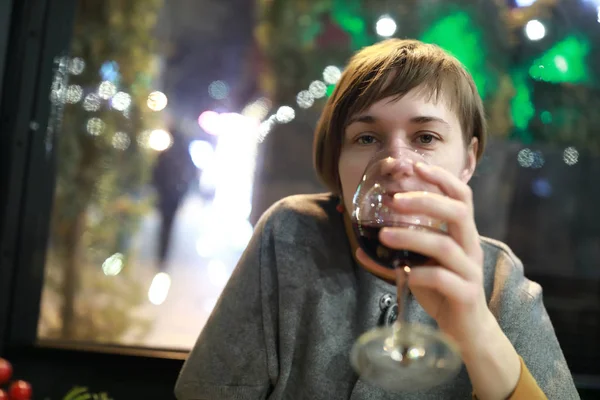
{"x": 421, "y": 165}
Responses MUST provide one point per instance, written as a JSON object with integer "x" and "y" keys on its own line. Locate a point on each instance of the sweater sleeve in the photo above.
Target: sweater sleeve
{"x": 518, "y": 305}
{"x": 541, "y": 353}
{"x": 232, "y": 356}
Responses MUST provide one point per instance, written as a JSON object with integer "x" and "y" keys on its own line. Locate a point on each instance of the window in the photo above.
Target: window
{"x": 196, "y": 116}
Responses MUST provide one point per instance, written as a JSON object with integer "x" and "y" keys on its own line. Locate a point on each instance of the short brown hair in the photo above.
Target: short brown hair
{"x": 393, "y": 68}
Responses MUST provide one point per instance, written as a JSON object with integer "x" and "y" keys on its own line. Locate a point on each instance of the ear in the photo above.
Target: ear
{"x": 470, "y": 161}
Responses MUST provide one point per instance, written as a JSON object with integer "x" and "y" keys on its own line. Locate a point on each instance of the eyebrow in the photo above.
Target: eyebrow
{"x": 420, "y": 119}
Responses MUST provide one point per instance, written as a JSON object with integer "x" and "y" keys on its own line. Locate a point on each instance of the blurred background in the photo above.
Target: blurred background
{"x": 182, "y": 121}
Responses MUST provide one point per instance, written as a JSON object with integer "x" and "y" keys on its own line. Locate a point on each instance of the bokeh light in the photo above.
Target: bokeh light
{"x": 202, "y": 153}
{"x": 121, "y": 141}
{"x": 210, "y": 122}
{"x": 218, "y": 90}
{"x": 121, "y": 101}
{"x": 74, "y": 94}
{"x": 542, "y": 187}
{"x": 524, "y": 3}
{"x": 265, "y": 128}
{"x": 570, "y": 156}
{"x": 331, "y": 74}
{"x": 318, "y": 89}
{"x": 113, "y": 265}
{"x": 159, "y": 289}
{"x": 157, "y": 101}
{"x": 385, "y": 26}
{"x": 91, "y": 102}
{"x": 95, "y": 126}
{"x": 525, "y": 158}
{"x": 538, "y": 160}
{"x": 106, "y": 90}
{"x": 535, "y": 30}
{"x": 285, "y": 114}
{"x": 160, "y": 140}
{"x": 305, "y": 99}
{"x": 258, "y": 109}
{"x": 76, "y": 66}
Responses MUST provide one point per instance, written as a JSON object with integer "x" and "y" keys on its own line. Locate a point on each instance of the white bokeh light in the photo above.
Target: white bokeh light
{"x": 385, "y": 26}
{"x": 157, "y": 101}
{"x": 202, "y": 153}
{"x": 121, "y": 141}
{"x": 160, "y": 140}
{"x": 525, "y": 158}
{"x": 305, "y": 99}
{"x": 331, "y": 74}
{"x": 285, "y": 114}
{"x": 318, "y": 89}
{"x": 74, "y": 94}
{"x": 535, "y": 30}
{"x": 106, "y": 90}
{"x": 159, "y": 289}
{"x": 121, "y": 101}
{"x": 113, "y": 265}
{"x": 91, "y": 102}
{"x": 570, "y": 156}
{"x": 76, "y": 66}
{"x": 524, "y": 3}
{"x": 95, "y": 126}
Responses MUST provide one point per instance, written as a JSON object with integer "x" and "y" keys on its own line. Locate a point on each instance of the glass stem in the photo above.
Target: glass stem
{"x": 402, "y": 272}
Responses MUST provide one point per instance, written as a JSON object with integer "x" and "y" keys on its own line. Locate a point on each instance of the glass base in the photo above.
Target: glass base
{"x": 405, "y": 357}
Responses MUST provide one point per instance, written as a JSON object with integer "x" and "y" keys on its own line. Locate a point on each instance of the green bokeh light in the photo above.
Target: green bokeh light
{"x": 521, "y": 106}
{"x": 458, "y": 34}
{"x": 565, "y": 62}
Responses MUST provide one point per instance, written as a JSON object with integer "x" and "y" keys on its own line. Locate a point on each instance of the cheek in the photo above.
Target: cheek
{"x": 350, "y": 170}
{"x": 454, "y": 160}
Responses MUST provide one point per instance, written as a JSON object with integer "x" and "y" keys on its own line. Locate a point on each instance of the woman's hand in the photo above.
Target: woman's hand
{"x": 452, "y": 292}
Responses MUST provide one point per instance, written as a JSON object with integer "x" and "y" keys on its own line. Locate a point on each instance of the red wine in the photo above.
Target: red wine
{"x": 368, "y": 239}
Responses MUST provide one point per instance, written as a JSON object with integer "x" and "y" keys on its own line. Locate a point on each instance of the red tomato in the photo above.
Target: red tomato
{"x": 20, "y": 390}
{"x": 5, "y": 371}
{"x": 3, "y": 395}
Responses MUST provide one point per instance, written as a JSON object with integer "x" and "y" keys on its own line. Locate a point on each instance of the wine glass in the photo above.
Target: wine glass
{"x": 404, "y": 356}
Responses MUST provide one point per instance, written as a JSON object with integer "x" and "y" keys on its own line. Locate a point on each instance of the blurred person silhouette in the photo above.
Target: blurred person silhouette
{"x": 172, "y": 175}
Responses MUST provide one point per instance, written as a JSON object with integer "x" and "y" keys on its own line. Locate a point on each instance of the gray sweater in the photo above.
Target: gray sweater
{"x": 296, "y": 302}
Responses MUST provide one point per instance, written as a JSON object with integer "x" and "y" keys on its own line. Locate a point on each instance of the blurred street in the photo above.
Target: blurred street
{"x": 196, "y": 282}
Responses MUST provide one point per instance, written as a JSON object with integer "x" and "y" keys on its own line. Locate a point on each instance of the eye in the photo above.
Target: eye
{"x": 426, "y": 138}
{"x": 366, "y": 139}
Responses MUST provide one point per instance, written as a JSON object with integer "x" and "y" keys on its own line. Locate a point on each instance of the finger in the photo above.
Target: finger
{"x": 443, "y": 281}
{"x": 376, "y": 269}
{"x": 450, "y": 184}
{"x": 439, "y": 247}
{"x": 456, "y": 214}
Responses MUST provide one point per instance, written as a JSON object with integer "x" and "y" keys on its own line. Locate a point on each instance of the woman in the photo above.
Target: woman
{"x": 302, "y": 293}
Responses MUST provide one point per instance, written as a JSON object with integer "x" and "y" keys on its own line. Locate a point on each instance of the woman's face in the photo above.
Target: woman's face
{"x": 412, "y": 122}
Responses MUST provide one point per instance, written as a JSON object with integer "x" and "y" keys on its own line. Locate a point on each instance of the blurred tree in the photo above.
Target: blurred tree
{"x": 300, "y": 38}
{"x": 103, "y": 163}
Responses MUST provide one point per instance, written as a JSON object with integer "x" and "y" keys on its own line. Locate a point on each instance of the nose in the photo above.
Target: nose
{"x": 395, "y": 168}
